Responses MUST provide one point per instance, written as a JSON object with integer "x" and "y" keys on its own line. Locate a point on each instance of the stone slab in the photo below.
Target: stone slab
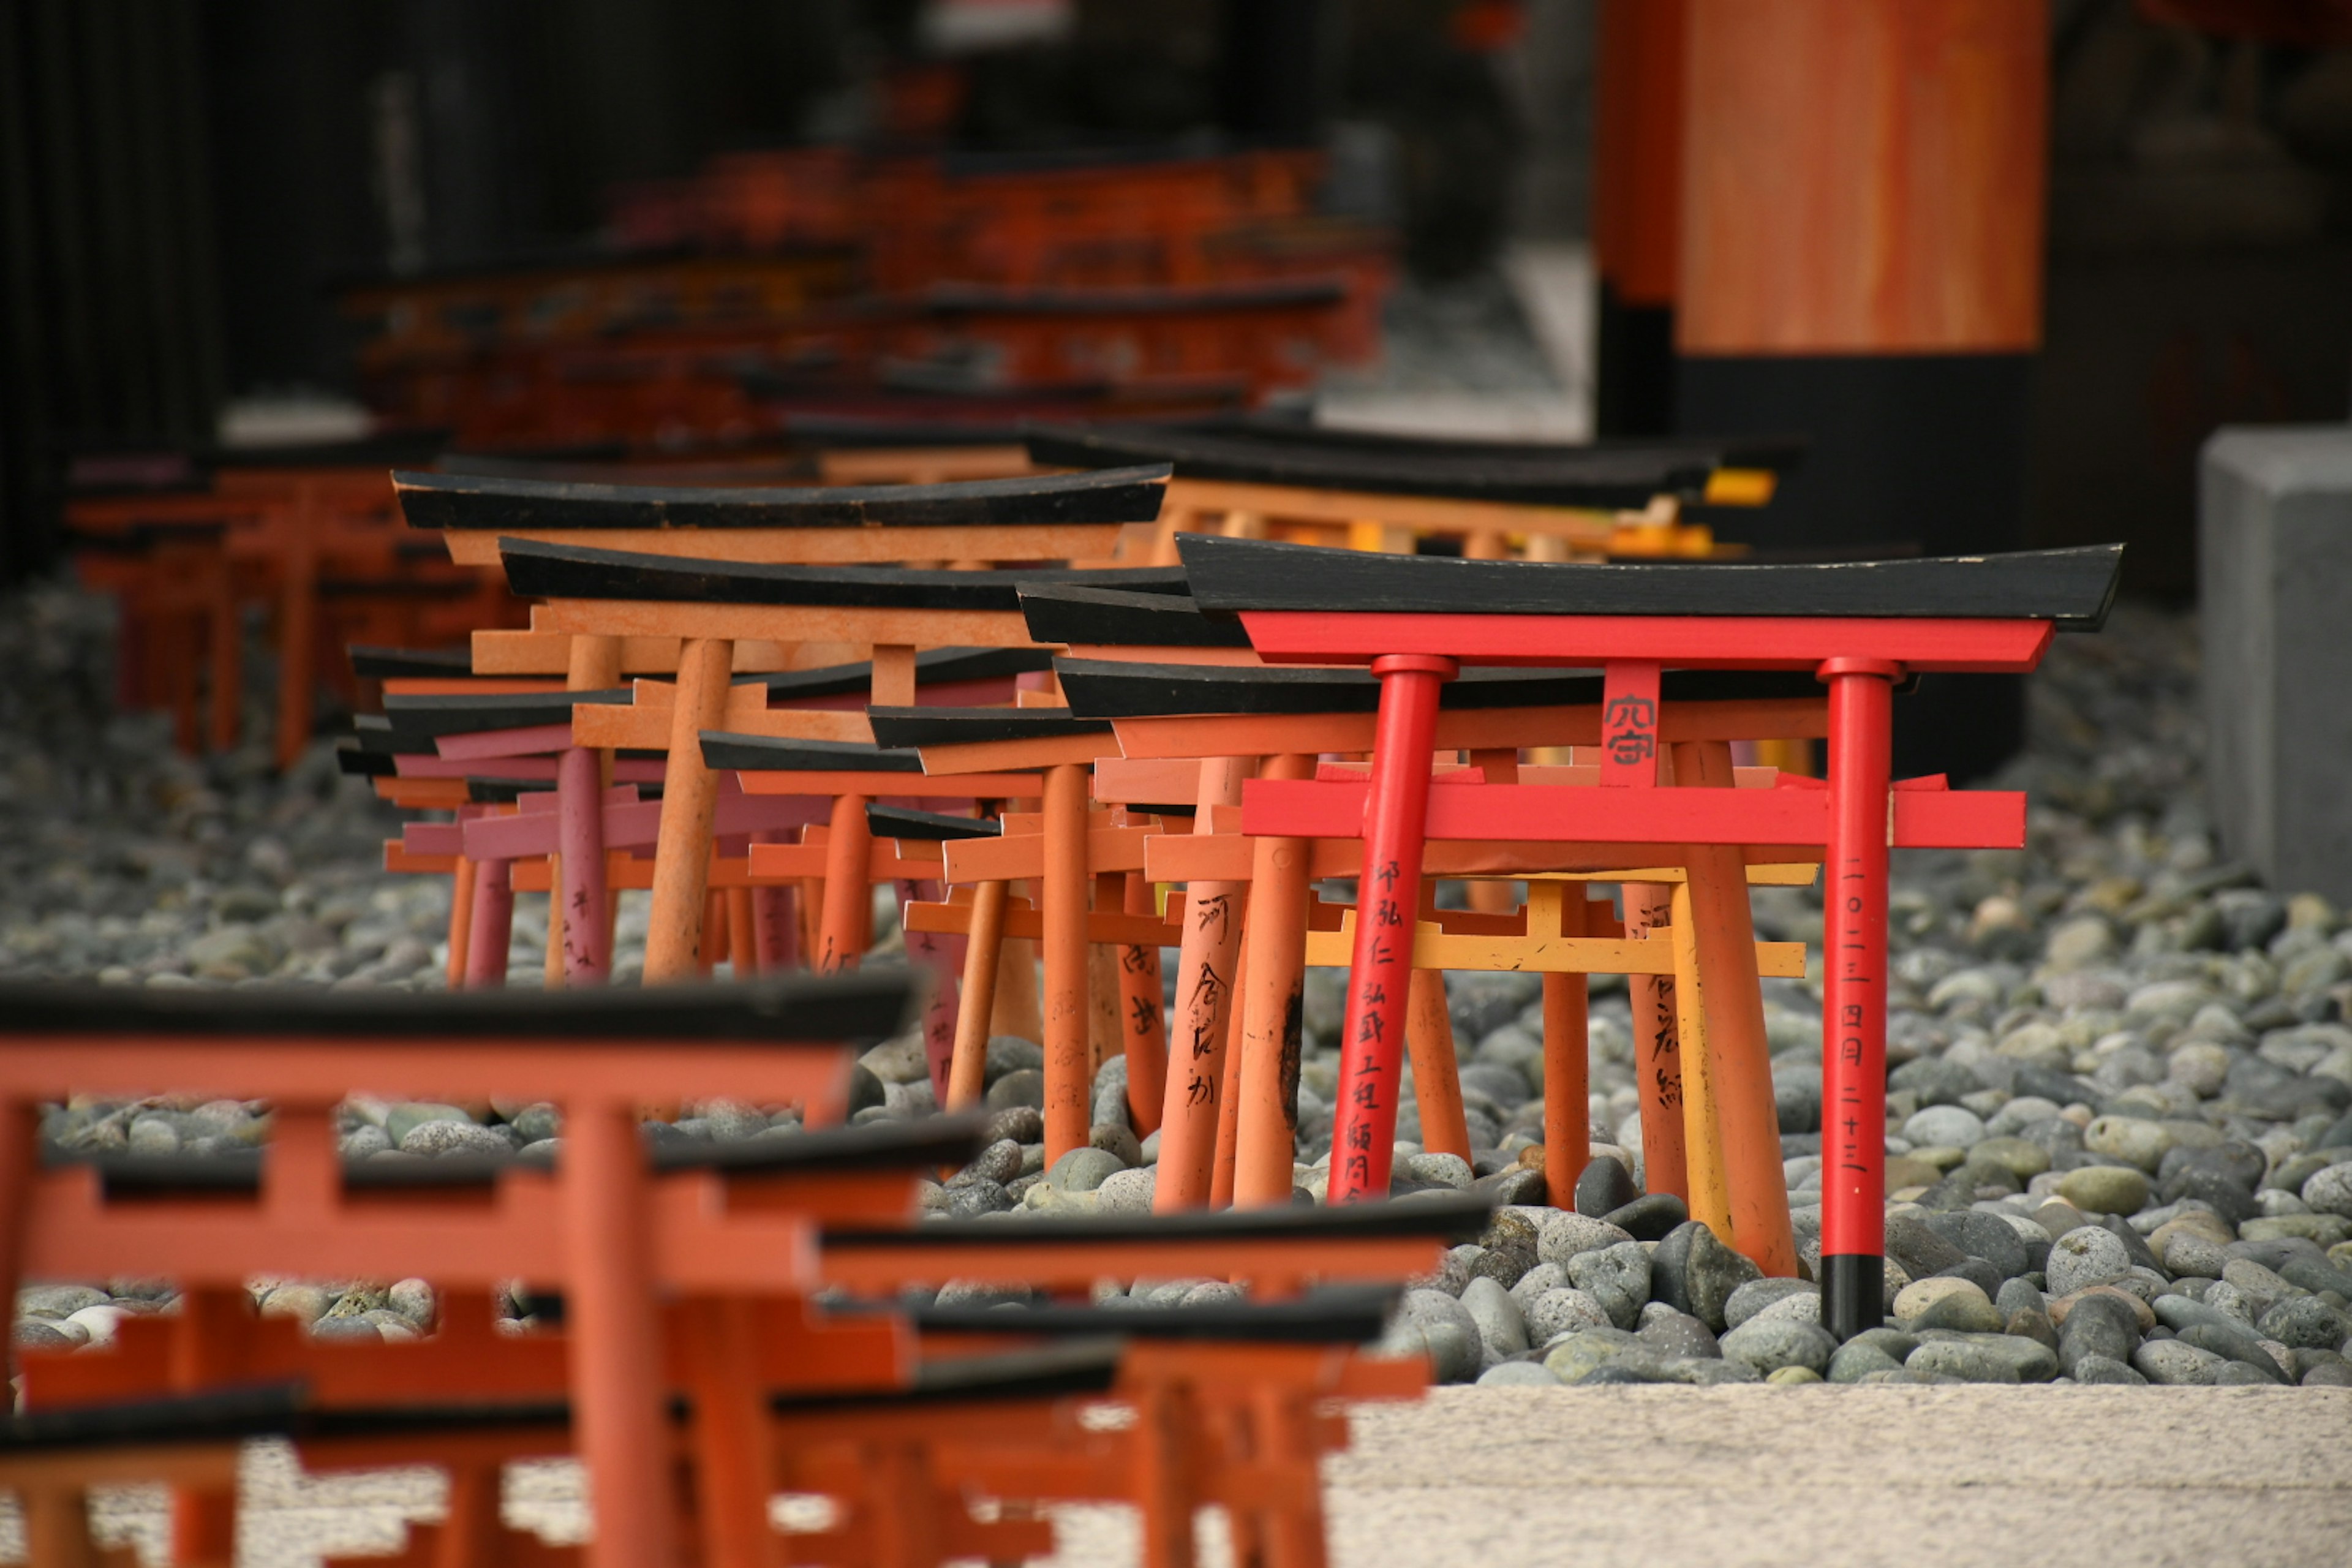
{"x": 1634, "y": 1478}
{"x": 2274, "y": 593}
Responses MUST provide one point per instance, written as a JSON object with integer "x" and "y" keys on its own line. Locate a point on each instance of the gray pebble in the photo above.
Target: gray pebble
{"x": 998, "y": 1162}
{"x": 1567, "y": 1234}
{"x": 1677, "y": 1335}
{"x": 1502, "y": 1329}
{"x": 1083, "y": 1170}
{"x": 2086, "y": 1257}
{"x": 1757, "y": 1294}
{"x": 1963, "y": 1359}
{"x": 1517, "y": 1375}
{"x": 1768, "y": 1346}
{"x": 2172, "y": 1363}
{"x": 1617, "y": 1276}
{"x": 2099, "y": 1369}
{"x": 1856, "y": 1359}
{"x": 1711, "y": 1272}
{"x": 1562, "y": 1311}
{"x": 1437, "y": 1325}
{"x": 1128, "y": 1191}
{"x": 437, "y": 1138}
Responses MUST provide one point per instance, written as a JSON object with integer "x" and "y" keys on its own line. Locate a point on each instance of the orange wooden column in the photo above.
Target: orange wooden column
{"x": 1568, "y": 1065}
{"x": 1858, "y": 260}
{"x": 1266, "y": 1109}
{"x": 1062, "y": 906}
{"x": 690, "y": 796}
{"x": 1738, "y": 1056}
{"x": 1657, "y": 1052}
{"x": 1205, "y": 979}
{"x": 1863, "y": 179}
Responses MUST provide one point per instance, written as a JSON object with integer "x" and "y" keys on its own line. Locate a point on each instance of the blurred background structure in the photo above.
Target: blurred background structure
{"x": 2004, "y": 264}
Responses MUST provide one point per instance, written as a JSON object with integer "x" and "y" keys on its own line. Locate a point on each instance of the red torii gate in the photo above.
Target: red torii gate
{"x": 1860, "y": 627}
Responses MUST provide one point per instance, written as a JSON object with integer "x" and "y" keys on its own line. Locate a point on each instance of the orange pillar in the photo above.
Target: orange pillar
{"x": 846, "y": 929}
{"x": 619, "y": 1405}
{"x": 1739, "y": 1056}
{"x": 1657, "y": 1050}
{"x": 1062, "y": 902}
{"x": 1140, "y": 993}
{"x": 976, "y": 998}
{"x": 1204, "y": 990}
{"x": 1568, "y": 1062}
{"x": 1266, "y": 1129}
{"x": 690, "y": 796}
{"x": 1860, "y": 260}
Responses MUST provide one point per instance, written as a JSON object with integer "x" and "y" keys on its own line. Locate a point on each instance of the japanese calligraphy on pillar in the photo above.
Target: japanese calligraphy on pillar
{"x": 1858, "y": 960}
{"x": 1628, "y": 723}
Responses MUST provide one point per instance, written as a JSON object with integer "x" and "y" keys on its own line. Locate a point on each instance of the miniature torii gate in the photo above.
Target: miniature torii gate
{"x": 849, "y": 856}
{"x": 1195, "y": 701}
{"x": 1045, "y": 518}
{"x": 717, "y": 603}
{"x": 1862, "y": 627}
{"x": 1382, "y": 492}
{"x": 1060, "y": 856}
{"x": 1128, "y": 690}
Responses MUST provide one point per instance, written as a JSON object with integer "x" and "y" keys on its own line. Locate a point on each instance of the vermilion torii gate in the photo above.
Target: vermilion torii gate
{"x": 1860, "y": 627}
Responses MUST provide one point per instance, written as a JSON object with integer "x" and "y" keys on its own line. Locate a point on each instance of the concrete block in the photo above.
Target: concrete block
{"x": 2274, "y": 592}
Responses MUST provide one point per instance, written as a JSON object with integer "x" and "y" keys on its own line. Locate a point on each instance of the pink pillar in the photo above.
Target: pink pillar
{"x": 580, "y": 837}
{"x": 492, "y": 928}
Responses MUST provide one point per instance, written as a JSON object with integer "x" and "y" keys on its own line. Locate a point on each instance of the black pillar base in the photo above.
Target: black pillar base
{"x": 1926, "y": 450}
{"x": 1853, "y": 1293}
{"x": 1633, "y": 368}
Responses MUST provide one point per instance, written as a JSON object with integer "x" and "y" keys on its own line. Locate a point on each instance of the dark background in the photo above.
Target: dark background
{"x": 182, "y": 182}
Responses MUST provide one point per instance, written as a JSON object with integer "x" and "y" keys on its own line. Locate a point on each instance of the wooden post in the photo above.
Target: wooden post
{"x": 1739, "y": 1056}
{"x": 578, "y": 905}
{"x": 1140, "y": 1016}
{"x": 1204, "y": 990}
{"x": 1062, "y": 906}
{"x": 580, "y": 901}
{"x": 742, "y": 937}
{"x": 1710, "y": 1187}
{"x": 1106, "y": 1036}
{"x": 461, "y": 921}
{"x": 689, "y": 793}
{"x": 204, "y": 1522}
{"x": 847, "y": 928}
{"x": 1860, "y": 256}
{"x": 615, "y": 1332}
{"x": 1854, "y": 999}
{"x": 551, "y": 965}
{"x": 734, "y": 1440}
{"x": 940, "y": 955}
{"x": 1657, "y": 1054}
{"x": 1436, "y": 1076}
{"x": 1229, "y": 1089}
{"x": 977, "y": 999}
{"x": 1266, "y": 1116}
{"x": 1567, "y": 1047}
{"x": 1379, "y": 979}
{"x": 490, "y": 929}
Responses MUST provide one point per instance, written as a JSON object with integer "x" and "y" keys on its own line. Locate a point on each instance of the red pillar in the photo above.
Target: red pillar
{"x": 1853, "y": 997}
{"x": 1380, "y": 975}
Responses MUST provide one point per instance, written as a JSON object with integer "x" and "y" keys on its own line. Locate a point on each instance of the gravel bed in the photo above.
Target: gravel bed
{"x": 2118, "y": 1144}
